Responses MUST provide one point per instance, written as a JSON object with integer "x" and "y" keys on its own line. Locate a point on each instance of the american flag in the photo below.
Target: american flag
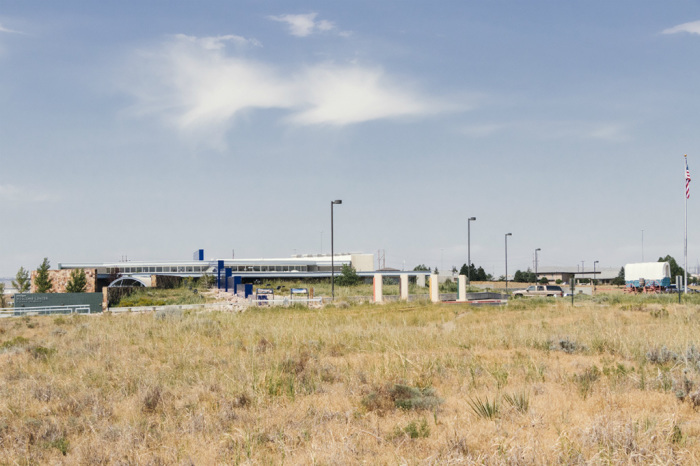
{"x": 687, "y": 179}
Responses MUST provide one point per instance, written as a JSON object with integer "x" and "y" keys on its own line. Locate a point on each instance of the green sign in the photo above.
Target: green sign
{"x": 94, "y": 300}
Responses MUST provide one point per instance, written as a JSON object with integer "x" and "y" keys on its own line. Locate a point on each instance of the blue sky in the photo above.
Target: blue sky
{"x": 151, "y": 129}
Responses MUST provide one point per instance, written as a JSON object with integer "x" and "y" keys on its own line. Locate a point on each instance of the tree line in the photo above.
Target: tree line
{"x": 77, "y": 283}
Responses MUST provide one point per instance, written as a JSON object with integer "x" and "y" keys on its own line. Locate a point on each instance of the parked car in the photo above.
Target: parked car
{"x": 540, "y": 290}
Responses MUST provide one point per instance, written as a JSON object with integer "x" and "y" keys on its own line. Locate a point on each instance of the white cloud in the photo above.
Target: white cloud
{"x": 351, "y": 94}
{"x": 196, "y": 85}
{"x": 305, "y": 25}
{"x": 692, "y": 28}
{"x": 299, "y": 25}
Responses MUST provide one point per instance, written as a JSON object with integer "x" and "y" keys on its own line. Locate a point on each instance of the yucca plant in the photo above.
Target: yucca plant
{"x": 485, "y": 409}
{"x": 519, "y": 401}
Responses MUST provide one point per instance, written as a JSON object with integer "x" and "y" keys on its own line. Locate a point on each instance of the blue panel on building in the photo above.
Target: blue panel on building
{"x": 219, "y": 269}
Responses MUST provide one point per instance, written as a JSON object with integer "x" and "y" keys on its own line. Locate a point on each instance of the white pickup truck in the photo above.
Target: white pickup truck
{"x": 540, "y": 290}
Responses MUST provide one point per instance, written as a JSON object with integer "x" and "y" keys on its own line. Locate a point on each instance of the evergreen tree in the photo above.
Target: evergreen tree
{"x": 620, "y": 279}
{"x": 421, "y": 268}
{"x": 519, "y": 277}
{"x": 21, "y": 282}
{"x": 464, "y": 270}
{"x": 77, "y": 282}
{"x": 2, "y": 295}
{"x": 43, "y": 282}
{"x": 675, "y": 268}
{"x": 530, "y": 276}
{"x": 348, "y": 276}
{"x": 474, "y": 274}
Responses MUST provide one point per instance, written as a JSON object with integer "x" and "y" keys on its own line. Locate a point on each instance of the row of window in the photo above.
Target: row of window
{"x": 270, "y": 268}
{"x": 212, "y": 270}
{"x": 167, "y": 269}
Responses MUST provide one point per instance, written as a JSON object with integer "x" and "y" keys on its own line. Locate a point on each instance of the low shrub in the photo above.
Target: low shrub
{"x": 403, "y": 397}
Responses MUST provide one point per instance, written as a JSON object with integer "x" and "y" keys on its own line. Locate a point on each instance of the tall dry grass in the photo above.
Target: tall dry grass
{"x": 534, "y": 382}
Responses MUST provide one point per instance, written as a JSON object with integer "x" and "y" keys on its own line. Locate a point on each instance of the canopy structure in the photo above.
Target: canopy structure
{"x": 131, "y": 281}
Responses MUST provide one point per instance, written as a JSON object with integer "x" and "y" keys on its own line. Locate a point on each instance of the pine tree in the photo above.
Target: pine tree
{"x": 21, "y": 282}
{"x": 77, "y": 282}
{"x": 474, "y": 274}
{"x": 620, "y": 279}
{"x": 43, "y": 282}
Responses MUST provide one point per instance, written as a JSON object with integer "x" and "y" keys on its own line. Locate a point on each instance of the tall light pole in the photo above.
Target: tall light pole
{"x": 469, "y": 249}
{"x": 538, "y": 249}
{"x": 338, "y": 201}
{"x": 507, "y": 235}
{"x": 594, "y": 263}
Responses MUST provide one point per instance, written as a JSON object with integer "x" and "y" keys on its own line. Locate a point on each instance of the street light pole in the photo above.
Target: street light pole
{"x": 469, "y": 249}
{"x": 594, "y": 263}
{"x": 507, "y": 235}
{"x": 338, "y": 201}
{"x": 538, "y": 249}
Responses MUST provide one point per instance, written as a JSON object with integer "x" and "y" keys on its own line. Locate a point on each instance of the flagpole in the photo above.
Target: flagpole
{"x": 685, "y": 237}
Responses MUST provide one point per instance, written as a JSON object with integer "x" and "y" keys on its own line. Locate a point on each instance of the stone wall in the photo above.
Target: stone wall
{"x": 60, "y": 279}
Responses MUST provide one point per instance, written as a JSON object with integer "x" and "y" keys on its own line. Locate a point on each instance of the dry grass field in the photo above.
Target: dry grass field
{"x": 610, "y": 380}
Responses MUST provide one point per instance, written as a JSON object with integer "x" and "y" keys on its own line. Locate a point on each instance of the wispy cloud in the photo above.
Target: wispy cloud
{"x": 196, "y": 83}
{"x": 483, "y": 130}
{"x": 610, "y": 132}
{"x": 218, "y": 42}
{"x": 8, "y": 30}
{"x": 692, "y": 28}
{"x": 12, "y": 193}
{"x": 305, "y": 25}
{"x": 551, "y": 130}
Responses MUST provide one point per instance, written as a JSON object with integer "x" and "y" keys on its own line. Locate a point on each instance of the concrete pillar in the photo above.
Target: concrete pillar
{"x": 378, "y": 291}
{"x": 420, "y": 280}
{"x": 403, "y": 286}
{"x": 434, "y": 288}
{"x": 462, "y": 288}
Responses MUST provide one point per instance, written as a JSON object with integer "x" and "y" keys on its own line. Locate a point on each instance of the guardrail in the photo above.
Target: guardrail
{"x": 44, "y": 310}
{"x": 183, "y": 307}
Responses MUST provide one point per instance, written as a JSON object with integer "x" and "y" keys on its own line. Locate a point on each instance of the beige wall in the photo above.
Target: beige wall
{"x": 363, "y": 262}
{"x": 60, "y": 279}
